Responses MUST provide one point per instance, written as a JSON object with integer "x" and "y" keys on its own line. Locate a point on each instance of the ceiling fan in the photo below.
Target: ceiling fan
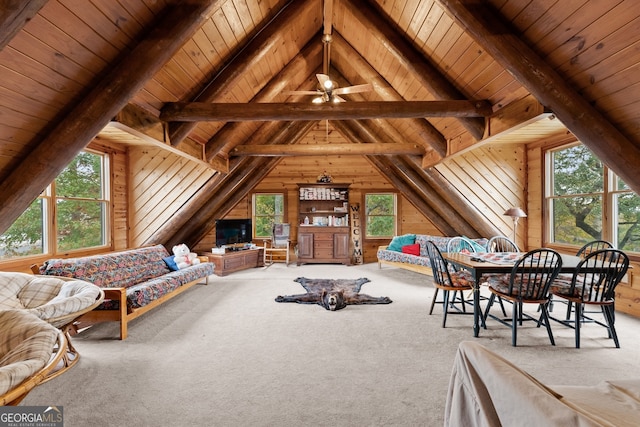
{"x": 328, "y": 90}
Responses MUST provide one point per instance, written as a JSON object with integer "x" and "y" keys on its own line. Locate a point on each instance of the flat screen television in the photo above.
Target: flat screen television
{"x": 233, "y": 231}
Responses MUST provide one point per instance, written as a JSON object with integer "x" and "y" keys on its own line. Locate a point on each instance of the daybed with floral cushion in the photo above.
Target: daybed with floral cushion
{"x": 409, "y": 251}
{"x": 134, "y": 281}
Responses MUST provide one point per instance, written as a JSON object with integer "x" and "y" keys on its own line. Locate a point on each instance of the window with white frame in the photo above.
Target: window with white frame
{"x": 585, "y": 201}
{"x": 380, "y": 215}
{"x": 268, "y": 209}
{"x": 71, "y": 214}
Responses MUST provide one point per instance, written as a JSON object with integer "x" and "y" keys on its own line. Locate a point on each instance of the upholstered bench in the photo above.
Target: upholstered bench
{"x": 409, "y": 251}
{"x": 134, "y": 281}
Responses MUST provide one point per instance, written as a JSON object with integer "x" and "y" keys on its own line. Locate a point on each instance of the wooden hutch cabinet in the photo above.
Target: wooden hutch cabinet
{"x": 323, "y": 231}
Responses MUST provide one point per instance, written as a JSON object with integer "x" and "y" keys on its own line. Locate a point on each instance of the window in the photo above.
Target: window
{"x": 586, "y": 201}
{"x": 625, "y": 216}
{"x": 71, "y": 214}
{"x": 380, "y": 211}
{"x": 268, "y": 209}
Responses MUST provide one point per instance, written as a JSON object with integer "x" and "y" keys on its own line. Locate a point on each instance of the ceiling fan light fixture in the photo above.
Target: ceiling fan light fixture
{"x": 318, "y": 100}
{"x": 328, "y": 84}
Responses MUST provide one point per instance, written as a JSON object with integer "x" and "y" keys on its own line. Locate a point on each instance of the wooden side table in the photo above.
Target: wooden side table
{"x": 233, "y": 261}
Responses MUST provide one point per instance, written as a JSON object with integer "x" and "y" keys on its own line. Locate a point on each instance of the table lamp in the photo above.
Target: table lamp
{"x": 515, "y": 213}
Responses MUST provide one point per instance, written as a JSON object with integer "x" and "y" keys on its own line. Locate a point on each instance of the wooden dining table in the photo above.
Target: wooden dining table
{"x": 489, "y": 263}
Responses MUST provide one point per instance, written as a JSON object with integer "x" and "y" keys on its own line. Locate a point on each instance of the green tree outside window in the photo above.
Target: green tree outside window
{"x": 26, "y": 235}
{"x": 380, "y": 210}
{"x": 80, "y": 205}
{"x": 79, "y": 219}
{"x": 588, "y": 202}
{"x": 268, "y": 209}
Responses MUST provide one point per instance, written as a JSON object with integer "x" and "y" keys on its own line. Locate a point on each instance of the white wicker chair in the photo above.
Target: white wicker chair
{"x": 30, "y": 349}
{"x": 57, "y": 300}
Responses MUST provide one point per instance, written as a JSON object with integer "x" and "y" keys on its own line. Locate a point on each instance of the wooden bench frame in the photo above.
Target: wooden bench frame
{"x": 407, "y": 266}
{"x": 125, "y": 314}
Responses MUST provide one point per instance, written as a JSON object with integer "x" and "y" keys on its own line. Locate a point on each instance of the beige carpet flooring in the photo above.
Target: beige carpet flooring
{"x": 227, "y": 354}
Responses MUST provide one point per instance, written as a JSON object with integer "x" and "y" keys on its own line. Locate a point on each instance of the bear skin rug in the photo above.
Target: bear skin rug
{"x": 332, "y": 294}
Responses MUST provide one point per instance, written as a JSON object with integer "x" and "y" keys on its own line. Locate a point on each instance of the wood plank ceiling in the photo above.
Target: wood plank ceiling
{"x": 465, "y": 71}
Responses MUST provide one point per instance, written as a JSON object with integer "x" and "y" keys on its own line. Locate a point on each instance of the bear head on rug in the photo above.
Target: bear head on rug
{"x": 332, "y": 294}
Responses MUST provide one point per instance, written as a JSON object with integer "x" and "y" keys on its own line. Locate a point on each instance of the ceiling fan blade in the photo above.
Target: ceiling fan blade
{"x": 322, "y": 78}
{"x": 353, "y": 89}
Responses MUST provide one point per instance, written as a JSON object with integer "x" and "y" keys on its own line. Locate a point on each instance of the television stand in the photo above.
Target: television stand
{"x": 236, "y": 260}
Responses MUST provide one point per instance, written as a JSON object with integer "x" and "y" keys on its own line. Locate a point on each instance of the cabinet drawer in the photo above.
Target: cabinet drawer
{"x": 235, "y": 262}
{"x": 323, "y": 236}
{"x": 323, "y": 244}
{"x": 323, "y": 252}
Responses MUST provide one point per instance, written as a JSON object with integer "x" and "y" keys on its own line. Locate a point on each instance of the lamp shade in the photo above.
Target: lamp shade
{"x": 515, "y": 213}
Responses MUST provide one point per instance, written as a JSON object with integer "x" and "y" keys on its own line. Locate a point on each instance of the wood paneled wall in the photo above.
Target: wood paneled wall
{"x": 493, "y": 178}
{"x": 355, "y": 170}
{"x": 119, "y": 193}
{"x": 160, "y": 184}
{"x": 150, "y": 185}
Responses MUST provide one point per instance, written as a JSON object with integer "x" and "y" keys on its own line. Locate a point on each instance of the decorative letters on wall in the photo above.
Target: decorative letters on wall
{"x": 356, "y": 238}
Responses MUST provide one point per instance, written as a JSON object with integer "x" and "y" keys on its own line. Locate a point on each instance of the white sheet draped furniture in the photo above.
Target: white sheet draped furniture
{"x": 487, "y": 390}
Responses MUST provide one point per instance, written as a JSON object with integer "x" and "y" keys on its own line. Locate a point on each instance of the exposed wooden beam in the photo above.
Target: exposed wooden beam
{"x": 109, "y": 94}
{"x": 14, "y": 14}
{"x": 380, "y": 131}
{"x": 427, "y": 133}
{"x": 423, "y": 198}
{"x": 412, "y": 60}
{"x": 427, "y": 190}
{"x": 308, "y": 58}
{"x": 387, "y": 168}
{"x": 192, "y": 226}
{"x": 383, "y": 130}
{"x": 197, "y": 218}
{"x": 589, "y": 125}
{"x": 135, "y": 126}
{"x": 246, "y": 59}
{"x": 326, "y": 150}
{"x": 238, "y": 112}
{"x": 122, "y": 134}
{"x": 453, "y": 197}
{"x": 268, "y": 133}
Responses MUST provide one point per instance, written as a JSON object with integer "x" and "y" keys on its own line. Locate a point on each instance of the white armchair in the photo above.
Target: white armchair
{"x": 30, "y": 349}
{"x": 57, "y": 300}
